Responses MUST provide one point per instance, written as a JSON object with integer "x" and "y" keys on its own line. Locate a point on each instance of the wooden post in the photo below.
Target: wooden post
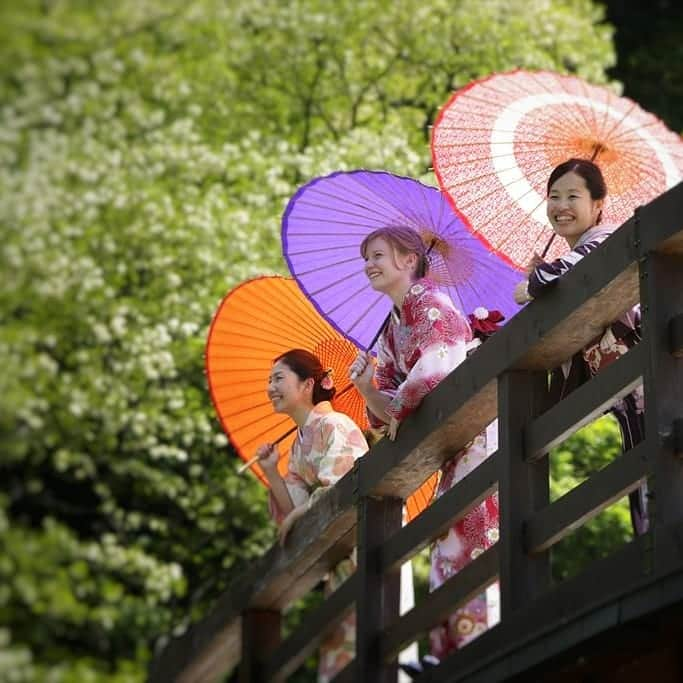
{"x": 261, "y": 634}
{"x": 378, "y": 598}
{"x": 661, "y": 295}
{"x": 523, "y": 488}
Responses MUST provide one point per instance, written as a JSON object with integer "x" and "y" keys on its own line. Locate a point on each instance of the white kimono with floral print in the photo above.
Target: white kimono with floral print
{"x": 323, "y": 452}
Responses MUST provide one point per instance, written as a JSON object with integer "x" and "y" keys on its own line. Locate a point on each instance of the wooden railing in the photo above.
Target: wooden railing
{"x": 506, "y": 378}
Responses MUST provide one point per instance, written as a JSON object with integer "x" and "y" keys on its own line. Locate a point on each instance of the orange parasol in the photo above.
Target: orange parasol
{"x": 256, "y": 322}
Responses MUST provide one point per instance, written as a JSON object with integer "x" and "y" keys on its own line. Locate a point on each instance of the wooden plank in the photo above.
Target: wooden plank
{"x": 260, "y": 636}
{"x": 325, "y": 533}
{"x": 378, "y": 598}
{"x": 441, "y": 514}
{"x": 547, "y": 332}
{"x": 317, "y": 543}
{"x": 600, "y": 287}
{"x": 316, "y": 626}
{"x": 611, "y": 591}
{"x": 676, "y": 336}
{"x": 438, "y": 605}
{"x": 584, "y": 404}
{"x": 220, "y": 654}
{"x": 623, "y": 475}
{"x": 660, "y": 224}
{"x": 347, "y": 674}
{"x": 662, "y": 301}
{"x": 523, "y": 489}
{"x": 520, "y": 640}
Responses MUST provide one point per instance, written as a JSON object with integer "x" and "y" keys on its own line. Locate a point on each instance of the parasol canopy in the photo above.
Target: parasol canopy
{"x": 327, "y": 219}
{"x": 496, "y": 141}
{"x": 256, "y": 322}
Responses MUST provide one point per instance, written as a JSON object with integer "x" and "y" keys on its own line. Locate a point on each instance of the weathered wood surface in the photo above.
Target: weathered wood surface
{"x": 610, "y": 594}
{"x": 598, "y": 290}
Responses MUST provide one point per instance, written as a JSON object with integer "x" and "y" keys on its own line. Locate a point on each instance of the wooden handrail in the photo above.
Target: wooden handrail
{"x": 601, "y": 287}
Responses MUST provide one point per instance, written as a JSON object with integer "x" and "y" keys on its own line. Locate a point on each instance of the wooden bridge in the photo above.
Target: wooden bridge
{"x": 620, "y": 619}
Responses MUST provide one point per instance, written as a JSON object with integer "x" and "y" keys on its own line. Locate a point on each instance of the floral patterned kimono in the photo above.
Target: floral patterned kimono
{"x": 419, "y": 347}
{"x": 614, "y": 342}
{"x": 323, "y": 452}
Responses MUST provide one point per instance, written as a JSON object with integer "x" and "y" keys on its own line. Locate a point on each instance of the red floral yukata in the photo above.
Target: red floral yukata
{"x": 419, "y": 347}
{"x": 323, "y": 452}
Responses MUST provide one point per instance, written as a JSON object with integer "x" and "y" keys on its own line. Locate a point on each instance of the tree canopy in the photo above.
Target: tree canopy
{"x": 147, "y": 150}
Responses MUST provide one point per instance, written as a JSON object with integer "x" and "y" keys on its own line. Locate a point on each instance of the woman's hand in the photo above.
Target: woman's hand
{"x": 392, "y": 429}
{"x": 521, "y": 293}
{"x": 535, "y": 261}
{"x": 268, "y": 456}
{"x": 361, "y": 372}
{"x": 288, "y": 522}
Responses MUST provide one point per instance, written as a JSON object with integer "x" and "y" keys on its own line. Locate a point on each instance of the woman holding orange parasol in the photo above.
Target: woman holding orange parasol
{"x": 327, "y": 442}
{"x": 324, "y": 450}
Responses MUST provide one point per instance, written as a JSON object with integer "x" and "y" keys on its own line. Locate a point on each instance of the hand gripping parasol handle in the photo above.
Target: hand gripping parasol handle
{"x": 547, "y": 246}
{"x": 354, "y": 375}
{"x": 254, "y": 459}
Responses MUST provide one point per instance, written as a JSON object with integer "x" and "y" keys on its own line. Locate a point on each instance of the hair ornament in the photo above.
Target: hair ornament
{"x": 327, "y": 381}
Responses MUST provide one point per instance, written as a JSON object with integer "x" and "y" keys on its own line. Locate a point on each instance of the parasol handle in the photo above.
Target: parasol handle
{"x": 254, "y": 459}
{"x": 547, "y": 246}
{"x": 243, "y": 468}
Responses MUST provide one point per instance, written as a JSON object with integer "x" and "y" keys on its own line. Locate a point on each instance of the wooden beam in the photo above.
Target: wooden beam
{"x": 623, "y": 475}
{"x": 584, "y": 404}
{"x": 441, "y": 514}
{"x": 547, "y": 332}
{"x": 610, "y": 592}
{"x": 437, "y": 606}
{"x": 378, "y": 597}
{"x": 260, "y": 636}
{"x": 315, "y": 627}
{"x": 676, "y": 335}
{"x": 318, "y": 542}
{"x": 523, "y": 489}
{"x": 662, "y": 300}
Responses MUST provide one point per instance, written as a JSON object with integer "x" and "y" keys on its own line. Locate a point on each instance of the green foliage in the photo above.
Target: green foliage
{"x": 650, "y": 53}
{"x": 584, "y": 453}
{"x": 147, "y": 149}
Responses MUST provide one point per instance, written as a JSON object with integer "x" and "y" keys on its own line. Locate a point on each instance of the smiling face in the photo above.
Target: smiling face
{"x": 571, "y": 209}
{"x": 389, "y": 271}
{"x": 287, "y": 392}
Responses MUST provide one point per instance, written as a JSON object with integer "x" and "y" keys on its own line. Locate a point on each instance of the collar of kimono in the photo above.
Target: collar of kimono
{"x": 416, "y": 289}
{"x": 597, "y": 232}
{"x": 318, "y": 410}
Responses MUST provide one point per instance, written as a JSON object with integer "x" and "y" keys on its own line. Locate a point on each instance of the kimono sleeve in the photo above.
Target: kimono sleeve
{"x": 547, "y": 274}
{"x": 298, "y": 492}
{"x": 387, "y": 376}
{"x": 342, "y": 444}
{"x": 436, "y": 345}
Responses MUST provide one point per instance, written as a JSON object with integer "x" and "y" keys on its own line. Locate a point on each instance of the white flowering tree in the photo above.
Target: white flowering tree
{"x": 147, "y": 149}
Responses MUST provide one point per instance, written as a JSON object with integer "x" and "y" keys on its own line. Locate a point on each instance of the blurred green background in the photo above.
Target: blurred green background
{"x": 147, "y": 149}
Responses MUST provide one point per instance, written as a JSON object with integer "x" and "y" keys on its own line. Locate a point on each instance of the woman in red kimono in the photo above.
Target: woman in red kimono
{"x": 425, "y": 339}
{"x": 576, "y": 194}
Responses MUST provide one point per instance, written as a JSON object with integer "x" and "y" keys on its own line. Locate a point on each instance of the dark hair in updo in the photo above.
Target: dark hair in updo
{"x": 590, "y": 172}
{"x": 405, "y": 241}
{"x": 304, "y": 364}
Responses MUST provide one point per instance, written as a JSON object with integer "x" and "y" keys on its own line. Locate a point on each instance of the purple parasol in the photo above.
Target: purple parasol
{"x": 327, "y": 219}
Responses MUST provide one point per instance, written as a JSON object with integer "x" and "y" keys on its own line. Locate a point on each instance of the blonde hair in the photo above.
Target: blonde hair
{"x": 405, "y": 241}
